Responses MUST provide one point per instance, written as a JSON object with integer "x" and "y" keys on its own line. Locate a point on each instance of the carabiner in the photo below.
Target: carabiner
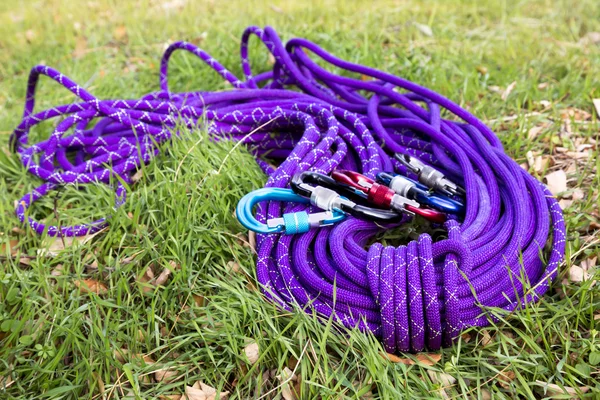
{"x": 413, "y": 190}
{"x": 430, "y": 176}
{"x": 324, "y": 193}
{"x": 382, "y": 196}
{"x": 289, "y": 223}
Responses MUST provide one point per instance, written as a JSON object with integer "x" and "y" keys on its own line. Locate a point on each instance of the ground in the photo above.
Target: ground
{"x": 88, "y": 320}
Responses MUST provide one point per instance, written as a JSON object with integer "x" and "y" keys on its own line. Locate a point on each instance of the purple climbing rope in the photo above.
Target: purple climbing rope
{"x": 415, "y": 296}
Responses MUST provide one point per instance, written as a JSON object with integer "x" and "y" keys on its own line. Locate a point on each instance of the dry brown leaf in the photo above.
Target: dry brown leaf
{"x": 578, "y": 274}
{"x": 163, "y": 277}
{"x": 534, "y": 132}
{"x": 505, "y": 378}
{"x": 18, "y": 231}
{"x": 58, "y": 270}
{"x": 137, "y": 176}
{"x": 555, "y": 391}
{"x": 577, "y": 194}
{"x": 421, "y": 358}
{"x": 252, "y": 352}
{"x": 508, "y": 90}
{"x": 486, "y": 338}
{"x": 596, "y": 103}
{"x": 211, "y": 392}
{"x": 575, "y": 114}
{"x": 589, "y": 264}
{"x": 12, "y": 246}
{"x": 443, "y": 379}
{"x": 466, "y": 337}
{"x": 30, "y": 35}
{"x": 145, "y": 280}
{"x": 91, "y": 286}
{"x": 5, "y": 382}
{"x": 564, "y": 204}
{"x": 596, "y": 317}
{"x": 171, "y": 397}
{"x": 54, "y": 245}
{"x": 557, "y": 182}
{"x": 120, "y": 33}
{"x": 80, "y": 47}
{"x": 165, "y": 375}
{"x": 192, "y": 393}
{"x": 233, "y": 267}
{"x": 199, "y": 300}
{"x": 285, "y": 377}
{"x": 252, "y": 240}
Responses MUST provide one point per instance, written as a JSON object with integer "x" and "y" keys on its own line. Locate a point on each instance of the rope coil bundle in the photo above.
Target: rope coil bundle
{"x": 415, "y": 296}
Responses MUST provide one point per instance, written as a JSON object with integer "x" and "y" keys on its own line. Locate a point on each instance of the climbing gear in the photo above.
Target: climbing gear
{"x": 502, "y": 255}
{"x": 413, "y": 190}
{"x": 326, "y": 197}
{"x": 290, "y": 223}
{"x": 382, "y": 196}
{"x": 430, "y": 176}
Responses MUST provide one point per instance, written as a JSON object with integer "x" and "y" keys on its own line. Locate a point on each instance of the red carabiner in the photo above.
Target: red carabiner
{"x": 384, "y": 197}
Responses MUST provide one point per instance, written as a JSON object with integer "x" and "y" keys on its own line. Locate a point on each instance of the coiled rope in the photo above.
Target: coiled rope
{"x": 415, "y": 296}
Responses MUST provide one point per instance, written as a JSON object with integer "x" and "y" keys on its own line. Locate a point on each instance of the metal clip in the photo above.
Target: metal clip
{"x": 324, "y": 192}
{"x": 289, "y": 223}
{"x": 416, "y": 191}
{"x": 430, "y": 176}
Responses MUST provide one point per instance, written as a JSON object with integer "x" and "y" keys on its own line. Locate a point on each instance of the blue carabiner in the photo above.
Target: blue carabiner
{"x": 289, "y": 223}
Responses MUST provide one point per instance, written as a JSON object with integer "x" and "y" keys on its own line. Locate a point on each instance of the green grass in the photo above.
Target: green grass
{"x": 57, "y": 341}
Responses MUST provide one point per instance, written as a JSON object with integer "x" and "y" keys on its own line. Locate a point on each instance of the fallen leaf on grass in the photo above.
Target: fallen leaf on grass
{"x": 556, "y": 392}
{"x": 442, "y": 378}
{"x": 120, "y": 33}
{"x": 233, "y": 267}
{"x": 171, "y": 397}
{"x": 505, "y": 378}
{"x": 285, "y": 377}
{"x": 421, "y": 358}
{"x": 424, "y": 29}
{"x": 252, "y": 240}
{"x": 557, "y": 182}
{"x": 589, "y": 264}
{"x": 252, "y": 352}
{"x": 54, "y": 245}
{"x": 508, "y": 90}
{"x": 30, "y": 35}
{"x": 91, "y": 286}
{"x": 534, "y": 132}
{"x": 575, "y": 114}
{"x": 164, "y": 275}
{"x": 596, "y": 103}
{"x": 80, "y": 47}
{"x": 12, "y": 246}
{"x": 165, "y": 375}
{"x": 201, "y": 391}
{"x": 578, "y": 274}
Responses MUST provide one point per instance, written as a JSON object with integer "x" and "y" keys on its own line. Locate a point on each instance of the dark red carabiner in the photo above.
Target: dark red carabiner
{"x": 384, "y": 197}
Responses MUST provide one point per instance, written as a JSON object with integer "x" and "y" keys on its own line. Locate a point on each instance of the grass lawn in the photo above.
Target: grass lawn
{"x": 87, "y": 320}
